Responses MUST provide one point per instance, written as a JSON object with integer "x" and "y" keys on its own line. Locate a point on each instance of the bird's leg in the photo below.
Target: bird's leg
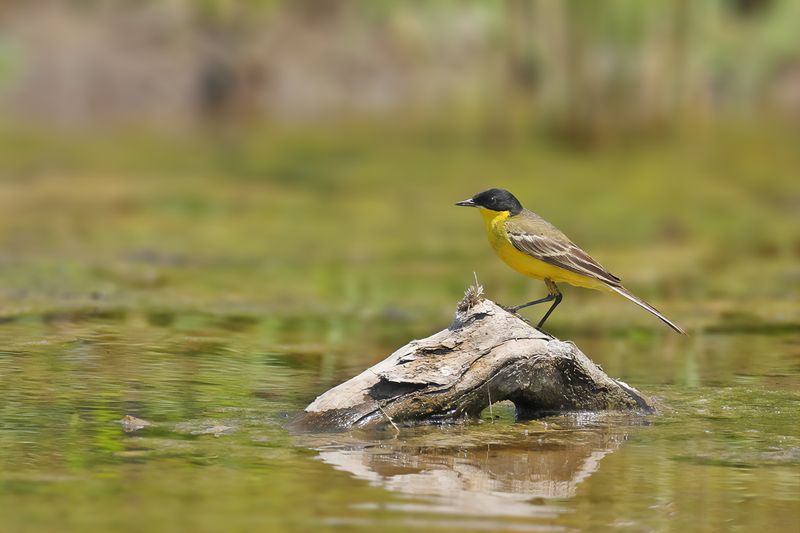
{"x": 547, "y": 298}
{"x": 555, "y": 294}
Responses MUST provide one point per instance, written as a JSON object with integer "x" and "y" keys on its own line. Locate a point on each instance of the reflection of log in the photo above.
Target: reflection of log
{"x": 486, "y": 355}
{"x": 473, "y": 472}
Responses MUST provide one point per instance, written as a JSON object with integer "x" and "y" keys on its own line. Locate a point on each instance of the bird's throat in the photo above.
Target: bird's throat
{"x": 495, "y": 227}
{"x": 494, "y": 219}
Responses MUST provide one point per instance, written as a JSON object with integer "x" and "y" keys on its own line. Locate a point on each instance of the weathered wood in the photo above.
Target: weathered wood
{"x": 486, "y": 355}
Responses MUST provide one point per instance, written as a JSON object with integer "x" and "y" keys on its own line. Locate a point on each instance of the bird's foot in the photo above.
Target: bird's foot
{"x": 546, "y": 334}
{"x": 515, "y": 311}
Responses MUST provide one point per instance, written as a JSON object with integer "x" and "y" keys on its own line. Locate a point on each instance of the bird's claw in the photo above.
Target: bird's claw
{"x": 513, "y": 311}
{"x": 546, "y": 334}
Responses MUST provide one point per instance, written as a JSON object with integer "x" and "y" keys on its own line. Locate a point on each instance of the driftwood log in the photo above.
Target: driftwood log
{"x": 487, "y": 355}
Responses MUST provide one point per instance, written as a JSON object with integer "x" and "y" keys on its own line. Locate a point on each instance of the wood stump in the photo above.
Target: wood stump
{"x": 487, "y": 355}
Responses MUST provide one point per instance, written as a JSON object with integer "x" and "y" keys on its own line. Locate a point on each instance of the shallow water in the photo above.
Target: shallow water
{"x": 215, "y": 392}
{"x": 212, "y": 291}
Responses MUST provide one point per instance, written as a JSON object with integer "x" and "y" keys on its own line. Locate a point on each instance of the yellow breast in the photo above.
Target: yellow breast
{"x": 524, "y": 263}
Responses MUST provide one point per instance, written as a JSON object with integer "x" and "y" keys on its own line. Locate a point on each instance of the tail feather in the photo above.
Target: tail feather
{"x": 644, "y": 305}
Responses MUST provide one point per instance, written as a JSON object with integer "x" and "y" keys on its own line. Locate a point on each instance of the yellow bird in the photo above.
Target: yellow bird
{"x": 534, "y": 247}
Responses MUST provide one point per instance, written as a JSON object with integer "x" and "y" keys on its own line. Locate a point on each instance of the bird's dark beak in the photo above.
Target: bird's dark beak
{"x": 467, "y": 203}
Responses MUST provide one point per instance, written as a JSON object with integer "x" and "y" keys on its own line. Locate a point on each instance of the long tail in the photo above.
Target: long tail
{"x": 644, "y": 305}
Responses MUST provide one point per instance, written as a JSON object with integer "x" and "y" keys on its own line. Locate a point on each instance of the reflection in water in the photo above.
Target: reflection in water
{"x": 480, "y": 473}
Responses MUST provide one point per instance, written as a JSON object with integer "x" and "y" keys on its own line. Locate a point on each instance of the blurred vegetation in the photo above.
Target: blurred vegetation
{"x": 291, "y": 158}
{"x": 585, "y": 72}
{"x": 358, "y": 218}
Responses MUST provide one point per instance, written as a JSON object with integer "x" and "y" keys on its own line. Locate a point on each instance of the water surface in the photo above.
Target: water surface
{"x": 215, "y": 392}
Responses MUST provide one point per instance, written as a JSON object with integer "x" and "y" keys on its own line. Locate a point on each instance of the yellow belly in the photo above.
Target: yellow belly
{"x": 524, "y": 263}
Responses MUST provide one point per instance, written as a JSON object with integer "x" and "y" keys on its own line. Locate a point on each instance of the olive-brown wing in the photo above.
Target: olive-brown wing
{"x": 555, "y": 249}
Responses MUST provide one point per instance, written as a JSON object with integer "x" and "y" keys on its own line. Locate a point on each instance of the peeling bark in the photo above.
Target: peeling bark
{"x": 487, "y": 354}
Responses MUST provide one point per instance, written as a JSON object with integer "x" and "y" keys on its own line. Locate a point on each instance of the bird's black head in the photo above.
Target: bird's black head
{"x": 494, "y": 200}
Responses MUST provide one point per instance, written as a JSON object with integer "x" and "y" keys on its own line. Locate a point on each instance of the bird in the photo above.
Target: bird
{"x": 536, "y": 248}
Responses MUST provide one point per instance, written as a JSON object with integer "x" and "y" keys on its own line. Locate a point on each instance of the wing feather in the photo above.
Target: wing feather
{"x": 534, "y": 236}
{"x": 561, "y": 252}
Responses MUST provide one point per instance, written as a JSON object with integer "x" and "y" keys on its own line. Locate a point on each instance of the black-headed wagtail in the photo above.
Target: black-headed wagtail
{"x": 534, "y": 247}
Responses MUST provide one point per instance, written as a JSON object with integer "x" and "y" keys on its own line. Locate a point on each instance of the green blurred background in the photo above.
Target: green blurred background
{"x": 303, "y": 157}
{"x": 298, "y": 155}
{"x": 213, "y": 210}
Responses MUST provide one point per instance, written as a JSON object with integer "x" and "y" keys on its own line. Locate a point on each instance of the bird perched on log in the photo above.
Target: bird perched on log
{"x": 534, "y": 247}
